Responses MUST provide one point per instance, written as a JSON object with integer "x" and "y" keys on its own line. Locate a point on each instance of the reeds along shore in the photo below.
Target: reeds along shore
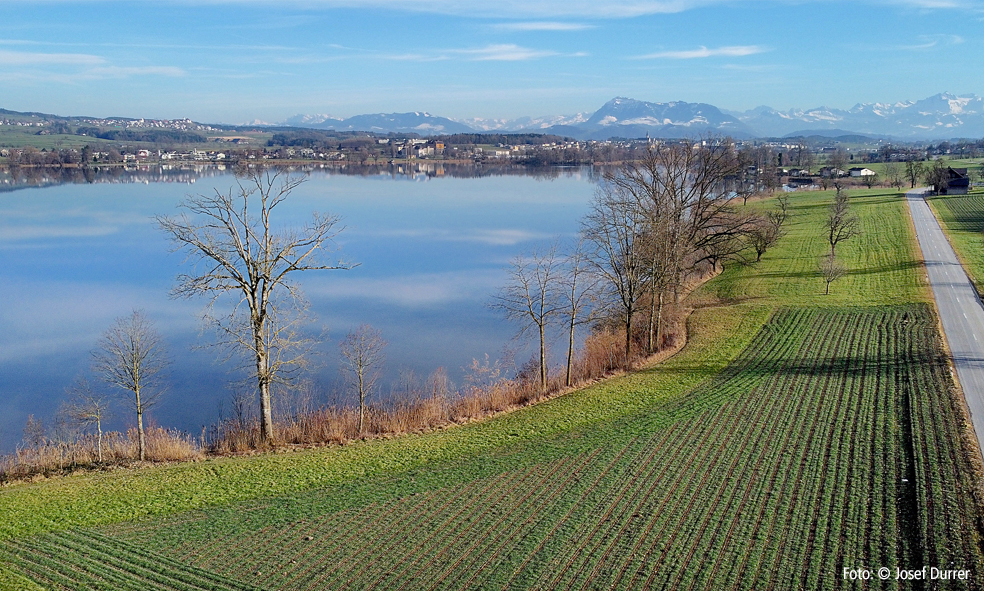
{"x": 424, "y": 409}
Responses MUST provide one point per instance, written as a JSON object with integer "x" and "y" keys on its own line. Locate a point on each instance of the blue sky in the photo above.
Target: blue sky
{"x": 233, "y": 61}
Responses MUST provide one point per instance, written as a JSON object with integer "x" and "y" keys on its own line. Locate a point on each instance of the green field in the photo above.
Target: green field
{"x": 881, "y": 267}
{"x": 794, "y": 436}
{"x": 962, "y": 218}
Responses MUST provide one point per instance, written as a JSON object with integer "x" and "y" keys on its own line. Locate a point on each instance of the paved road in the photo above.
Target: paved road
{"x": 960, "y": 308}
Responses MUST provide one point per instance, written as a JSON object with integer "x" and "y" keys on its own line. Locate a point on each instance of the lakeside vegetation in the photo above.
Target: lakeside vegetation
{"x": 607, "y": 464}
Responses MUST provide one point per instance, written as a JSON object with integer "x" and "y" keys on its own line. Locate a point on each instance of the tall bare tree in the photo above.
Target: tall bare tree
{"x": 842, "y": 224}
{"x": 362, "y": 361}
{"x": 240, "y": 253}
{"x": 531, "y": 297}
{"x": 131, "y": 356}
{"x": 578, "y": 291}
{"x": 614, "y": 230}
{"x": 686, "y": 216}
{"x": 87, "y": 408}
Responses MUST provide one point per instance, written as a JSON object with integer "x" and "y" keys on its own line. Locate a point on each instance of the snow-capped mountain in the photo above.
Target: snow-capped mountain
{"x": 627, "y": 117}
{"x": 528, "y": 124}
{"x": 416, "y": 122}
{"x": 941, "y": 116}
{"x": 310, "y": 120}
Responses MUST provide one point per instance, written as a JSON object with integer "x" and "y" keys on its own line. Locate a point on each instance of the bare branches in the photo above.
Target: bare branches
{"x": 767, "y": 230}
{"x": 615, "y": 230}
{"x": 578, "y": 291}
{"x": 532, "y": 298}
{"x": 658, "y": 220}
{"x": 841, "y": 223}
{"x": 131, "y": 356}
{"x": 830, "y": 269}
{"x": 231, "y": 240}
{"x": 87, "y": 407}
{"x": 362, "y": 362}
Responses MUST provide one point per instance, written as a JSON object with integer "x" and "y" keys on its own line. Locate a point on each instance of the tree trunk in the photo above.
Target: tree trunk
{"x": 266, "y": 412}
{"x": 543, "y": 360}
{"x": 651, "y": 329}
{"x": 362, "y": 402}
{"x": 141, "y": 438}
{"x": 659, "y": 319}
{"x": 99, "y": 441}
{"x": 628, "y": 337}
{"x": 570, "y": 354}
{"x": 263, "y": 383}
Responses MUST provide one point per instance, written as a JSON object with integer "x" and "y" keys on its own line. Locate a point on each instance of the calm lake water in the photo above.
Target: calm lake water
{"x": 431, "y": 252}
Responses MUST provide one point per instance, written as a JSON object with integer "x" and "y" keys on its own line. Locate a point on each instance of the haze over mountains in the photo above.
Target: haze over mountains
{"x": 943, "y": 116}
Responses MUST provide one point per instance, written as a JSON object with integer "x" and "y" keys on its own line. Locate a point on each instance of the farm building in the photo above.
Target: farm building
{"x": 958, "y": 181}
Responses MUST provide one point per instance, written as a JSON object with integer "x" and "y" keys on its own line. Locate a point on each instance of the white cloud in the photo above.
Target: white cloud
{"x": 542, "y": 26}
{"x": 549, "y": 9}
{"x": 125, "y": 72}
{"x": 704, "y": 52}
{"x": 505, "y": 52}
{"x": 23, "y": 58}
{"x": 930, "y": 41}
{"x": 481, "y": 8}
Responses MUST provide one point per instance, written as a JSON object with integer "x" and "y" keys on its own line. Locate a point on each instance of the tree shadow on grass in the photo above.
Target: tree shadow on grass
{"x": 862, "y": 271}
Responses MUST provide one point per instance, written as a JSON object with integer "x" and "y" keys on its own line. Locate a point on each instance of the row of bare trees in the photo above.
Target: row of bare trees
{"x": 659, "y": 222}
{"x": 655, "y": 224}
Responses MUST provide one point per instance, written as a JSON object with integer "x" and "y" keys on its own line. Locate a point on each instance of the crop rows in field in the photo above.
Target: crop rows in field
{"x": 832, "y": 441}
{"x": 77, "y": 560}
{"x": 962, "y": 212}
{"x": 963, "y": 218}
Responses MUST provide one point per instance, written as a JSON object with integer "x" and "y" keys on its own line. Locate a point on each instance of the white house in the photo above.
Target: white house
{"x": 856, "y": 171}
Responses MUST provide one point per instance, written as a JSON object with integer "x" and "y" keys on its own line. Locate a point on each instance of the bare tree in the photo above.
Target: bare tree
{"x": 238, "y": 251}
{"x": 870, "y": 180}
{"x": 615, "y": 230}
{"x": 131, "y": 357}
{"x": 842, "y": 224}
{"x": 34, "y": 432}
{"x": 913, "y": 172}
{"x": 531, "y": 298}
{"x": 938, "y": 175}
{"x": 362, "y": 362}
{"x": 685, "y": 218}
{"x": 838, "y": 159}
{"x": 87, "y": 408}
{"x": 894, "y": 174}
{"x": 577, "y": 289}
{"x": 831, "y": 269}
{"x": 763, "y": 235}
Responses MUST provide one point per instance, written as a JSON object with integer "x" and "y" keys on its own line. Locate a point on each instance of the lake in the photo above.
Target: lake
{"x": 431, "y": 246}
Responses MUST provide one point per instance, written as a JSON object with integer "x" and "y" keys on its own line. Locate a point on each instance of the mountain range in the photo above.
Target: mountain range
{"x": 943, "y": 116}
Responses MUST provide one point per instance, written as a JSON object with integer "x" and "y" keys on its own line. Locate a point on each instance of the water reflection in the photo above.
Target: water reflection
{"x": 23, "y": 177}
{"x": 79, "y": 253}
